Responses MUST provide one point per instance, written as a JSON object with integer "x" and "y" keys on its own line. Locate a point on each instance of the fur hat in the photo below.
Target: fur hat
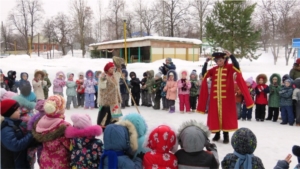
{"x": 244, "y": 141}
{"x": 36, "y": 72}
{"x": 40, "y": 106}
{"x": 8, "y": 107}
{"x": 262, "y": 76}
{"x": 54, "y": 106}
{"x": 81, "y": 121}
{"x": 108, "y": 66}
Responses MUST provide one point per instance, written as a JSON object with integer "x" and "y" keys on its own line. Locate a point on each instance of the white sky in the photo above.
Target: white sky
{"x": 52, "y": 7}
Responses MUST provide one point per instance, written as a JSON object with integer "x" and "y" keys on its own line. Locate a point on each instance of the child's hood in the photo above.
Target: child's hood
{"x": 278, "y": 78}
{"x": 139, "y": 123}
{"x": 23, "y": 73}
{"x": 192, "y": 136}
{"x": 263, "y": 76}
{"x": 11, "y": 73}
{"x": 175, "y": 75}
{"x": 132, "y": 74}
{"x": 150, "y": 74}
{"x": 117, "y": 138}
{"x": 80, "y": 74}
{"x": 60, "y": 72}
{"x": 162, "y": 139}
{"x": 55, "y": 132}
{"x": 69, "y": 74}
{"x": 91, "y": 131}
{"x": 89, "y": 71}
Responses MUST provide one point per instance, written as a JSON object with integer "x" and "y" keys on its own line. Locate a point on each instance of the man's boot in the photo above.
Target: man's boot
{"x": 216, "y": 137}
{"x": 226, "y": 137}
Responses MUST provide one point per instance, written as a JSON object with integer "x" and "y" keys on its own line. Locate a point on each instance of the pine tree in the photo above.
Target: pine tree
{"x": 230, "y": 27}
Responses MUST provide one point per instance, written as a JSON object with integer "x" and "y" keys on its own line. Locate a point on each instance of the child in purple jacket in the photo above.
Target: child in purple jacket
{"x": 89, "y": 90}
{"x": 59, "y": 83}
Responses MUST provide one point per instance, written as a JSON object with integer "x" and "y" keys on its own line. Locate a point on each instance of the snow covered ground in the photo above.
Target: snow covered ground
{"x": 274, "y": 141}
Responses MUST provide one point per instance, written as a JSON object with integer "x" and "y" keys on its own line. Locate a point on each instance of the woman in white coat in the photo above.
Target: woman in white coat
{"x": 38, "y": 84}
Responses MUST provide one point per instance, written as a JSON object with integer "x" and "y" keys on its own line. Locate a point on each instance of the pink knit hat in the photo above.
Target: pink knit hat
{"x": 81, "y": 121}
{"x": 6, "y": 94}
{"x": 54, "y": 106}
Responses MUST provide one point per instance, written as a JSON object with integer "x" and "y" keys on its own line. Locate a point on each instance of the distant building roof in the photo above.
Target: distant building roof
{"x": 43, "y": 39}
{"x": 160, "y": 38}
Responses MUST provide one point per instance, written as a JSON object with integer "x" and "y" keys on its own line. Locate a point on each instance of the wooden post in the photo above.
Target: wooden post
{"x": 128, "y": 55}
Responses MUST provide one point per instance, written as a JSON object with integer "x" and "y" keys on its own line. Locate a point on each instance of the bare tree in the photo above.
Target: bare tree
{"x": 98, "y": 24}
{"x": 201, "y": 11}
{"x": 82, "y": 15}
{"x": 116, "y": 8}
{"x": 63, "y": 29}
{"x": 5, "y": 35}
{"x": 48, "y": 30}
{"x": 174, "y": 12}
{"x": 35, "y": 13}
{"x": 263, "y": 24}
{"x": 147, "y": 16}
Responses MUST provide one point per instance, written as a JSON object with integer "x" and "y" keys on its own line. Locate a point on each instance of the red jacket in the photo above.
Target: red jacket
{"x": 261, "y": 91}
{"x": 161, "y": 141}
{"x": 79, "y": 88}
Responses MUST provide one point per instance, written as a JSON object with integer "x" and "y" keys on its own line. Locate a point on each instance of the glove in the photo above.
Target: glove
{"x": 141, "y": 155}
{"x": 210, "y": 146}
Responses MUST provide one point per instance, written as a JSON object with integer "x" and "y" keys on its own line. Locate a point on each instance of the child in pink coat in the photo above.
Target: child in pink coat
{"x": 184, "y": 86}
{"x": 171, "y": 89}
{"x": 50, "y": 130}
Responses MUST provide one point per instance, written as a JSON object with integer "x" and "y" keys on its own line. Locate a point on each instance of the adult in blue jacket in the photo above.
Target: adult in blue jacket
{"x": 169, "y": 65}
{"x": 14, "y": 143}
{"x": 117, "y": 141}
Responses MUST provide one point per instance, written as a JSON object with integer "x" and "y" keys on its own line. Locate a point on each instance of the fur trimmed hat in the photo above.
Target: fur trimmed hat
{"x": 42, "y": 73}
{"x": 244, "y": 141}
{"x": 262, "y": 76}
{"x": 54, "y": 106}
{"x": 81, "y": 121}
{"x": 8, "y": 107}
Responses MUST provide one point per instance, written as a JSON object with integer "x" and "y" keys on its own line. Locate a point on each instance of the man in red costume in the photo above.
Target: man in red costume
{"x": 222, "y": 114}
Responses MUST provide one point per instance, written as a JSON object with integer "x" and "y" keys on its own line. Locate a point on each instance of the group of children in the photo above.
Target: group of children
{"x": 53, "y": 142}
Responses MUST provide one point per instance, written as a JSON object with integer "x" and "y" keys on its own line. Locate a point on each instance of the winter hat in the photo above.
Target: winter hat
{"x": 54, "y": 106}
{"x": 8, "y": 107}
{"x": 40, "y": 106}
{"x": 171, "y": 74}
{"x": 244, "y": 141}
{"x": 25, "y": 89}
{"x": 288, "y": 80}
{"x": 249, "y": 80}
{"x": 298, "y": 61}
{"x": 7, "y": 94}
{"x": 81, "y": 121}
{"x": 108, "y": 66}
{"x": 194, "y": 72}
{"x": 286, "y": 76}
{"x": 184, "y": 72}
{"x": 159, "y": 74}
{"x": 169, "y": 59}
{"x": 145, "y": 74}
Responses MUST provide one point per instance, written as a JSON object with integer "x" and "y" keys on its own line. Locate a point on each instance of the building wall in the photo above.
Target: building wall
{"x": 178, "y": 53}
{"x": 43, "y": 47}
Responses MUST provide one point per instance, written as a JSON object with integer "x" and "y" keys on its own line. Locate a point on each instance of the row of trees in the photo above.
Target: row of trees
{"x": 239, "y": 26}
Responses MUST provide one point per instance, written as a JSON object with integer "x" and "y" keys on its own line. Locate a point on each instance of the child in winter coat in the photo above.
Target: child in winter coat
{"x": 46, "y": 88}
{"x": 286, "y": 103}
{"x": 80, "y": 89}
{"x": 6, "y": 94}
{"x": 247, "y": 112}
{"x": 89, "y": 90}
{"x": 85, "y": 148}
{"x": 149, "y": 86}
{"x": 274, "y": 98}
{"x": 97, "y": 76}
{"x": 244, "y": 144}
{"x": 261, "y": 99}
{"x": 144, "y": 90}
{"x": 123, "y": 89}
{"x": 24, "y": 79}
{"x": 162, "y": 140}
{"x": 171, "y": 89}
{"x": 184, "y": 86}
{"x": 137, "y": 122}
{"x": 136, "y": 88}
{"x": 194, "y": 90}
{"x": 14, "y": 143}
{"x": 296, "y": 101}
{"x": 11, "y": 81}
{"x": 38, "y": 84}
{"x": 118, "y": 140}
{"x": 50, "y": 130}
{"x": 163, "y": 93}
{"x": 157, "y": 91}
{"x": 59, "y": 83}
{"x": 71, "y": 91}
{"x": 238, "y": 97}
{"x": 3, "y": 84}
{"x": 192, "y": 138}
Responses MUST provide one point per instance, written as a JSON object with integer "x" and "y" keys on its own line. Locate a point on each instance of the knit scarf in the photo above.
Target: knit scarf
{"x": 184, "y": 87}
{"x": 112, "y": 158}
{"x": 245, "y": 160}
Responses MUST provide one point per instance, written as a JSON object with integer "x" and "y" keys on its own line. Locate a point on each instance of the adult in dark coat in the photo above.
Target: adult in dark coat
{"x": 169, "y": 65}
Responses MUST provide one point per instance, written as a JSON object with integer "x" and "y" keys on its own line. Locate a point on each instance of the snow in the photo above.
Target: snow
{"x": 274, "y": 140}
{"x": 172, "y": 39}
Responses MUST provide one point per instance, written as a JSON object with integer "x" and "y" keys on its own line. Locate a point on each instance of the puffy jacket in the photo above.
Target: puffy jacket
{"x": 161, "y": 141}
{"x": 14, "y": 145}
{"x": 181, "y": 83}
{"x": 89, "y": 83}
{"x": 162, "y": 86}
{"x": 135, "y": 83}
{"x": 286, "y": 94}
{"x": 58, "y": 84}
{"x": 71, "y": 87}
{"x": 261, "y": 95}
{"x": 150, "y": 81}
{"x": 11, "y": 81}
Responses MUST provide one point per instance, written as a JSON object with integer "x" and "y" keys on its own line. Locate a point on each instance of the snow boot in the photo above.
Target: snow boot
{"x": 226, "y": 137}
{"x": 216, "y": 137}
{"x": 172, "y": 109}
